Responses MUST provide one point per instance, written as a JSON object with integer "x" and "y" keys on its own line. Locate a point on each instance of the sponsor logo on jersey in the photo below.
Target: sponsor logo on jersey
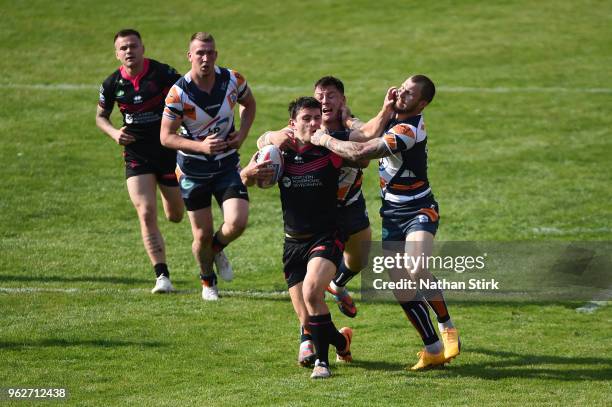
{"x": 422, "y": 219}
{"x": 286, "y": 182}
{"x": 129, "y": 119}
{"x": 120, "y": 93}
{"x": 233, "y": 97}
{"x": 137, "y": 99}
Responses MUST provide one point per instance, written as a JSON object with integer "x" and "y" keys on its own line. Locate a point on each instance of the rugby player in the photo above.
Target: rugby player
{"x": 409, "y": 211}
{"x": 353, "y": 217}
{"x": 203, "y": 102}
{"x": 139, "y": 87}
{"x": 313, "y": 245}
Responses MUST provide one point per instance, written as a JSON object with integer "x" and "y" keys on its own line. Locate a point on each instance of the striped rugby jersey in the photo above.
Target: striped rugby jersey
{"x": 403, "y": 175}
{"x": 206, "y": 114}
{"x": 349, "y": 183}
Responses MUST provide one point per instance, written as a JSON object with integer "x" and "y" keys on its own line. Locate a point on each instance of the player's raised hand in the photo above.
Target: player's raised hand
{"x": 122, "y": 137}
{"x": 213, "y": 145}
{"x": 390, "y": 98}
{"x": 283, "y": 139}
{"x": 319, "y": 138}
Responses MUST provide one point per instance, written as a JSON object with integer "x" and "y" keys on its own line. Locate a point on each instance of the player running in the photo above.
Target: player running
{"x": 203, "y": 102}
{"x": 139, "y": 87}
{"x": 353, "y": 217}
{"x": 409, "y": 210}
{"x": 313, "y": 246}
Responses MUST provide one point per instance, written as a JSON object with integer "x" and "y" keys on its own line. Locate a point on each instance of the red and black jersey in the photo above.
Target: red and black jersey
{"x": 308, "y": 189}
{"x": 140, "y": 100}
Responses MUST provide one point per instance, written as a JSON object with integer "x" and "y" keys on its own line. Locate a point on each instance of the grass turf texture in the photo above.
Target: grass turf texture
{"x": 523, "y": 153}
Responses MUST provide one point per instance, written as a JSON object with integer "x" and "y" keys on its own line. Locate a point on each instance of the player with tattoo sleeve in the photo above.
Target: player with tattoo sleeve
{"x": 409, "y": 211}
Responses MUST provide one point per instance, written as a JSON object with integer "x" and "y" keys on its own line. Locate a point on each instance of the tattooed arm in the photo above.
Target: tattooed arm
{"x": 350, "y": 150}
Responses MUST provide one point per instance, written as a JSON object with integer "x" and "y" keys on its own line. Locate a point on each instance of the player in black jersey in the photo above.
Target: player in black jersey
{"x": 353, "y": 216}
{"x": 313, "y": 245}
{"x": 139, "y": 87}
{"x": 409, "y": 210}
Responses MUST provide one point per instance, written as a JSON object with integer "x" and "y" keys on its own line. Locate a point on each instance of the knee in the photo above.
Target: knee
{"x": 236, "y": 227}
{"x": 147, "y": 215}
{"x": 311, "y": 296}
{"x": 175, "y": 217}
{"x": 202, "y": 238}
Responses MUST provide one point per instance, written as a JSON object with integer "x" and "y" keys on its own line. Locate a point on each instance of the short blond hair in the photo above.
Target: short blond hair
{"x": 202, "y": 36}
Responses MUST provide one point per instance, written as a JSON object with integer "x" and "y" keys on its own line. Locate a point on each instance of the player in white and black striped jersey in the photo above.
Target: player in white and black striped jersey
{"x": 203, "y": 101}
{"x": 409, "y": 210}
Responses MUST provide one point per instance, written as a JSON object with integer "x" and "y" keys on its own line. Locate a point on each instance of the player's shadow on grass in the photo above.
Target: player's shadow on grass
{"x": 64, "y": 343}
{"x": 511, "y": 364}
{"x": 76, "y": 279}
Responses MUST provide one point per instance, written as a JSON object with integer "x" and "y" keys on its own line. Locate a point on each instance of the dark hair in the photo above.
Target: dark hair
{"x": 428, "y": 89}
{"x": 304, "y": 102}
{"x": 202, "y": 36}
{"x": 330, "y": 81}
{"x": 126, "y": 33}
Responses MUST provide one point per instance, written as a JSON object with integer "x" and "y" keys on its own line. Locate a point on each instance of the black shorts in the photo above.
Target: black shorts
{"x": 161, "y": 163}
{"x": 353, "y": 218}
{"x": 424, "y": 215}
{"x": 197, "y": 192}
{"x": 298, "y": 252}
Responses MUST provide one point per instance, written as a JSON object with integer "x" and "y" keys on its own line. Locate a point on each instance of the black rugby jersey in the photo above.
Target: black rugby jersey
{"x": 308, "y": 190}
{"x": 140, "y": 100}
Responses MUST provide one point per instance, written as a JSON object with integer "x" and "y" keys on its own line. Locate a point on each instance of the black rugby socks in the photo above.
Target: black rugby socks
{"x": 417, "y": 313}
{"x": 324, "y": 333}
{"x": 161, "y": 269}
{"x": 344, "y": 275}
{"x": 217, "y": 246}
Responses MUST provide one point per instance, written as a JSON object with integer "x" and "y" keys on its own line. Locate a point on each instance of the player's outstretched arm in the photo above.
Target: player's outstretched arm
{"x": 283, "y": 139}
{"x": 374, "y": 128}
{"x": 121, "y": 136}
{"x": 248, "y": 106}
{"x": 351, "y": 150}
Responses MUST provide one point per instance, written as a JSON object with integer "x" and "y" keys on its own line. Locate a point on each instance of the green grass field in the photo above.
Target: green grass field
{"x": 519, "y": 149}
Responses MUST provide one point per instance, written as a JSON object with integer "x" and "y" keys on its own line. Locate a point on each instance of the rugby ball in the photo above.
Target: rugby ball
{"x": 275, "y": 155}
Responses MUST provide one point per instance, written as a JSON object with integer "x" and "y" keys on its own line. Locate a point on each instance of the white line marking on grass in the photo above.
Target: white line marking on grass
{"x": 49, "y": 86}
{"x": 293, "y": 89}
{"x": 557, "y": 231}
{"x": 227, "y": 293}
